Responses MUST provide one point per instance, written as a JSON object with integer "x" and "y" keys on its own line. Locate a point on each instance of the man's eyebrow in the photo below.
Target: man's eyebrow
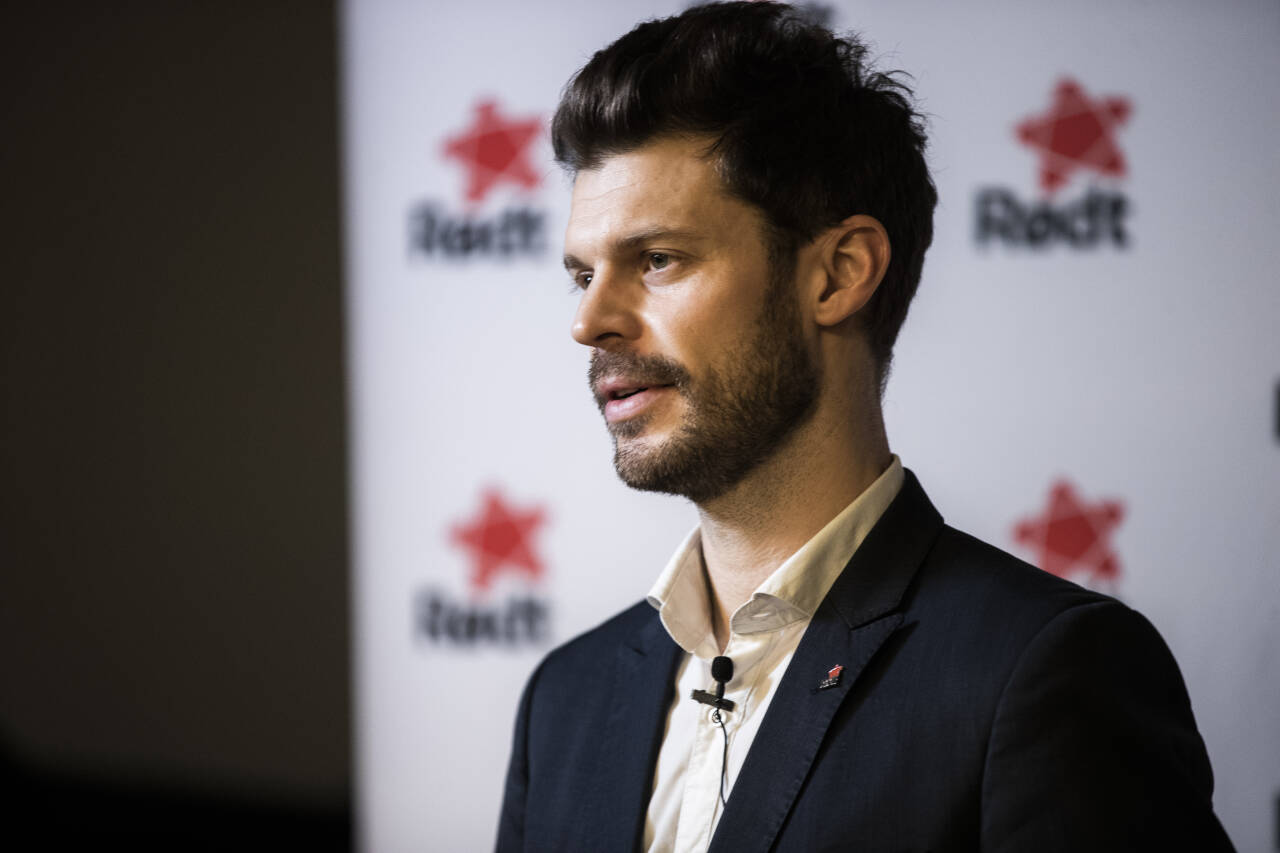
{"x": 636, "y": 239}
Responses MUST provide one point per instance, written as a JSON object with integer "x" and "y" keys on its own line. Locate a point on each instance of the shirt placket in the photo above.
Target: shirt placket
{"x": 701, "y": 800}
{"x": 708, "y": 758}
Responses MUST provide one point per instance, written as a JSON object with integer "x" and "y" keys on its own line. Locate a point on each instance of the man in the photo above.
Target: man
{"x": 751, "y": 208}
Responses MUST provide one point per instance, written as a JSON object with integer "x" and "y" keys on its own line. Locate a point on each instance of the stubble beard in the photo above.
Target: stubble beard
{"x": 738, "y": 415}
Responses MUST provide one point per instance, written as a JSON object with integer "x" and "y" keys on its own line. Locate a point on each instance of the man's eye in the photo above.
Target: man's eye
{"x": 659, "y": 260}
{"x": 582, "y": 279}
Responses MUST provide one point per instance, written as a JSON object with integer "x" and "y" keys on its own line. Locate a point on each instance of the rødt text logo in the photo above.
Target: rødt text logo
{"x": 494, "y": 151}
{"x": 497, "y": 539}
{"x": 1076, "y": 136}
{"x": 1071, "y": 537}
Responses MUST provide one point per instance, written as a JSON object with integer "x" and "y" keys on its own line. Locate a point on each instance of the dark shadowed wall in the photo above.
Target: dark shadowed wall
{"x": 173, "y": 620}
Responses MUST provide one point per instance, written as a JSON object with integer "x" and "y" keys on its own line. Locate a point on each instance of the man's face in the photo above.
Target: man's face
{"x": 698, "y": 361}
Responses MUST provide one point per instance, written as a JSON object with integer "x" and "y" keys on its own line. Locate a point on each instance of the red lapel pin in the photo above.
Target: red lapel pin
{"x": 833, "y": 677}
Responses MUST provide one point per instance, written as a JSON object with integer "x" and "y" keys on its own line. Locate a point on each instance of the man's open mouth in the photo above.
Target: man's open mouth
{"x": 624, "y": 393}
{"x": 627, "y": 392}
{"x": 624, "y": 401}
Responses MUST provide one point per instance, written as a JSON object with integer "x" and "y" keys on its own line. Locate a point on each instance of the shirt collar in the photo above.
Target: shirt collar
{"x": 791, "y": 594}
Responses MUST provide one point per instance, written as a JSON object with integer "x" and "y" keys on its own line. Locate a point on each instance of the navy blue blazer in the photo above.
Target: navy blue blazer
{"x": 984, "y": 705}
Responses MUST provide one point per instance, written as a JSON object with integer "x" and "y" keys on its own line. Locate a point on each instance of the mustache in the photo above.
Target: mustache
{"x": 645, "y": 369}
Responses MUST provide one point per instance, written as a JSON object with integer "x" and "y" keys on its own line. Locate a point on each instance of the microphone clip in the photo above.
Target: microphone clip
{"x": 713, "y": 700}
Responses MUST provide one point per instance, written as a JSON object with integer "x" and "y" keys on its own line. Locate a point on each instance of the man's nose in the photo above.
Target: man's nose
{"x": 606, "y": 312}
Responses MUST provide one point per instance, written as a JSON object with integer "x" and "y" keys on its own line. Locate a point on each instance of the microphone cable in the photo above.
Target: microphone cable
{"x": 724, "y": 760}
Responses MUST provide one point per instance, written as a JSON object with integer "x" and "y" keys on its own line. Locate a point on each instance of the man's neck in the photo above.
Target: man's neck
{"x": 751, "y": 530}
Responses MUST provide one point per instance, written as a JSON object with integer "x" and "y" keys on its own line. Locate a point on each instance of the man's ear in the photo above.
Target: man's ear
{"x": 855, "y": 256}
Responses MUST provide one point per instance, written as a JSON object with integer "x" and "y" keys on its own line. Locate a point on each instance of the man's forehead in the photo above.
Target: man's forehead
{"x": 667, "y": 185}
{"x": 668, "y": 168}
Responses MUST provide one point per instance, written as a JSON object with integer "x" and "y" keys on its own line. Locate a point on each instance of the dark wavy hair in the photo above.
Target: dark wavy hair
{"x": 803, "y": 127}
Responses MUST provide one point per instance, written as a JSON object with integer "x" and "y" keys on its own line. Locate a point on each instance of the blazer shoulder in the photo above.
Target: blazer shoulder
{"x": 989, "y": 604}
{"x": 965, "y": 567}
{"x": 587, "y": 651}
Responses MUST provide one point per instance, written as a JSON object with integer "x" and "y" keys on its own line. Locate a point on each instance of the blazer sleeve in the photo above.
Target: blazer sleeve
{"x": 1094, "y": 746}
{"x": 511, "y": 820}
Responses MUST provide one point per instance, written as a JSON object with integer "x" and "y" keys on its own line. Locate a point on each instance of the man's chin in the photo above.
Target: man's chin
{"x": 653, "y": 464}
{"x": 639, "y": 430}
{"x": 640, "y": 460}
{"x": 645, "y": 479}
{"x": 637, "y": 447}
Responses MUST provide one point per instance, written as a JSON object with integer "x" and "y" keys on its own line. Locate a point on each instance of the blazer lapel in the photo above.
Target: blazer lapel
{"x": 852, "y": 623}
{"x": 641, "y": 692}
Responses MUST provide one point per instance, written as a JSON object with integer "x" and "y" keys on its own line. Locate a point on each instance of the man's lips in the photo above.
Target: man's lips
{"x": 623, "y": 398}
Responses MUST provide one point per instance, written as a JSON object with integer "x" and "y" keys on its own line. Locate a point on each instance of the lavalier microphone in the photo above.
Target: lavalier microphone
{"x": 722, "y": 673}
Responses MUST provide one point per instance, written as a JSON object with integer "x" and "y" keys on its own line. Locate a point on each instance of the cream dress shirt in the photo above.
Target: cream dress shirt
{"x": 763, "y": 635}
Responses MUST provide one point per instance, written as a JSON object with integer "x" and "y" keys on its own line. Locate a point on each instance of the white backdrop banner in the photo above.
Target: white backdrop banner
{"x": 1089, "y": 378}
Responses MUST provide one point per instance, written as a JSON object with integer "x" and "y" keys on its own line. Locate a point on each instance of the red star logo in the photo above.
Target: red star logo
{"x": 1078, "y": 132}
{"x": 500, "y": 537}
{"x": 495, "y": 149}
{"x": 1073, "y": 536}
